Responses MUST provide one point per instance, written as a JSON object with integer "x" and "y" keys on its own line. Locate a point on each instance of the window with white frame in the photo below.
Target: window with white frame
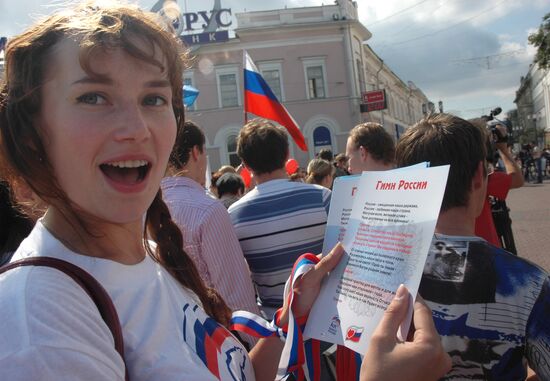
{"x": 234, "y": 159}
{"x": 228, "y": 87}
{"x": 188, "y": 81}
{"x": 272, "y": 74}
{"x": 315, "y": 74}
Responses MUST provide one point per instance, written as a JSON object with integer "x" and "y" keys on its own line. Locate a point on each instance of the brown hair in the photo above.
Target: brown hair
{"x": 317, "y": 170}
{"x": 375, "y": 139}
{"x": 15, "y": 225}
{"x": 341, "y": 158}
{"x": 188, "y": 137}
{"x": 262, "y": 146}
{"x": 22, "y": 151}
{"x": 445, "y": 139}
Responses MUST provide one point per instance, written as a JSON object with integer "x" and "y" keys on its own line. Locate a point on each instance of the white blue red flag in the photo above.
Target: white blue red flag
{"x": 354, "y": 333}
{"x": 260, "y": 100}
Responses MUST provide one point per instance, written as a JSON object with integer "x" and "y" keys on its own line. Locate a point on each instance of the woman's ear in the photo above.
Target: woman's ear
{"x": 195, "y": 152}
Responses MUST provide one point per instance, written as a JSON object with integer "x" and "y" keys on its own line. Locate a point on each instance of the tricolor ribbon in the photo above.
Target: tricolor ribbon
{"x": 293, "y": 355}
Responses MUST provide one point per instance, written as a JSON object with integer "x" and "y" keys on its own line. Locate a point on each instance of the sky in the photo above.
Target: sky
{"x": 470, "y": 54}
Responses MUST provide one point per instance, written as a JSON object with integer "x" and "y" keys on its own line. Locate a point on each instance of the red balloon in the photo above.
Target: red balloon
{"x": 246, "y": 177}
{"x": 291, "y": 166}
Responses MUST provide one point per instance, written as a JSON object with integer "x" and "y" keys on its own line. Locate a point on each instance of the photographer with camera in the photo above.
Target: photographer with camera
{"x": 494, "y": 224}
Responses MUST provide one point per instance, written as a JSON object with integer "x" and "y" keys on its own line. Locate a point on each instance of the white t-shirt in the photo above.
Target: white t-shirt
{"x": 51, "y": 330}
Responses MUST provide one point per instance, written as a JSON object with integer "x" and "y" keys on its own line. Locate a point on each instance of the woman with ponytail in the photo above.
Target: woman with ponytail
{"x": 90, "y": 105}
{"x": 320, "y": 172}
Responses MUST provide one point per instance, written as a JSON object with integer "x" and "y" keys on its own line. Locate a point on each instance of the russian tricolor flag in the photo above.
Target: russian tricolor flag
{"x": 260, "y": 100}
{"x": 354, "y": 333}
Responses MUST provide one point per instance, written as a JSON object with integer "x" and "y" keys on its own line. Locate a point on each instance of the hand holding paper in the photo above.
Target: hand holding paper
{"x": 422, "y": 359}
{"x": 306, "y": 289}
{"x": 387, "y": 220}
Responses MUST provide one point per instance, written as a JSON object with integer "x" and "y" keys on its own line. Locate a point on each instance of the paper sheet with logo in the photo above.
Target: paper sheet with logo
{"x": 385, "y": 221}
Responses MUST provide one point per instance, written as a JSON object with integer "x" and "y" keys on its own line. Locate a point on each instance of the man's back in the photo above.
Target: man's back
{"x": 209, "y": 239}
{"x": 276, "y": 222}
{"x": 489, "y": 307}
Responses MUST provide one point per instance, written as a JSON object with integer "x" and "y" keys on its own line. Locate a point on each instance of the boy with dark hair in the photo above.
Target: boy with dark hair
{"x": 369, "y": 148}
{"x": 325, "y": 154}
{"x": 262, "y": 146}
{"x": 278, "y": 220}
{"x": 230, "y": 188}
{"x": 489, "y": 306}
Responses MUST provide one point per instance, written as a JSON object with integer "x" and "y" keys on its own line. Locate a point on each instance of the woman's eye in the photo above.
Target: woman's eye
{"x": 92, "y": 99}
{"x": 154, "y": 100}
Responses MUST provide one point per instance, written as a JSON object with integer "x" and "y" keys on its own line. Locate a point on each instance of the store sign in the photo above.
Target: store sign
{"x": 374, "y": 101}
{"x": 205, "y": 17}
{"x": 216, "y": 18}
{"x": 208, "y": 21}
{"x": 321, "y": 137}
{"x": 205, "y": 38}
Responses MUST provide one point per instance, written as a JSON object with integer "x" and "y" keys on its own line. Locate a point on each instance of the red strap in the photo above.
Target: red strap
{"x": 89, "y": 284}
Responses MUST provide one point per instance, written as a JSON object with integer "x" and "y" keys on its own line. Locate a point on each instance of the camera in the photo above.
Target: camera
{"x": 492, "y": 123}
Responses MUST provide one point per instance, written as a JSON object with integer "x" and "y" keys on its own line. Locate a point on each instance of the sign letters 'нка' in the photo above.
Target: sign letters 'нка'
{"x": 373, "y": 101}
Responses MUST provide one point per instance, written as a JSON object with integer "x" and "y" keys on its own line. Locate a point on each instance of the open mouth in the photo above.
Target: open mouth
{"x": 128, "y": 172}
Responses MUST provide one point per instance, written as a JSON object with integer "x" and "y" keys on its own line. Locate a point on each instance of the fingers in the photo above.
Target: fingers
{"x": 394, "y": 315}
{"x": 327, "y": 263}
{"x": 423, "y": 320}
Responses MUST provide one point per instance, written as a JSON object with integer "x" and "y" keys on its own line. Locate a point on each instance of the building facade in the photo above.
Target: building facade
{"x": 317, "y": 63}
{"x": 533, "y": 106}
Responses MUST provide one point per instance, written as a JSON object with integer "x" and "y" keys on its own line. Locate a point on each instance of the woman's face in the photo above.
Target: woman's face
{"x": 107, "y": 139}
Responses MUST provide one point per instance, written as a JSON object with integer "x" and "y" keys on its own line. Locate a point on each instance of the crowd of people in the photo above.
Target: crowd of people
{"x": 100, "y": 169}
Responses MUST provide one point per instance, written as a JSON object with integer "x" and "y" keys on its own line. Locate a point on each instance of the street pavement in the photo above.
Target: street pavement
{"x": 530, "y": 213}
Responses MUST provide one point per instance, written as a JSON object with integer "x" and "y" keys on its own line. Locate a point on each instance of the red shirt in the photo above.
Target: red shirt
{"x": 498, "y": 185}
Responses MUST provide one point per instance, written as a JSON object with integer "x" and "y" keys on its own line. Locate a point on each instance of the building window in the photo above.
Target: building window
{"x": 315, "y": 74}
{"x": 272, "y": 72}
{"x": 229, "y": 90}
{"x": 228, "y": 87}
{"x": 234, "y": 159}
{"x": 315, "y": 81}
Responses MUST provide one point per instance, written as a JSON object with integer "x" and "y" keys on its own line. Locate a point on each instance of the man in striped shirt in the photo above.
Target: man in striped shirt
{"x": 208, "y": 235}
{"x": 278, "y": 220}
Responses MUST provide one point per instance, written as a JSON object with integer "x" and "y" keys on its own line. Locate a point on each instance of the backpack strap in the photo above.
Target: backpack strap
{"x": 90, "y": 285}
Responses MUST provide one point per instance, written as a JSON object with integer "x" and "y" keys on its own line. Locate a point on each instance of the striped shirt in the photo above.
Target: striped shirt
{"x": 210, "y": 240}
{"x": 276, "y": 222}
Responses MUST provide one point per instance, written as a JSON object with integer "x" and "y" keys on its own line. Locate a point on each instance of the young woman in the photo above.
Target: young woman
{"x": 89, "y": 111}
{"x": 320, "y": 172}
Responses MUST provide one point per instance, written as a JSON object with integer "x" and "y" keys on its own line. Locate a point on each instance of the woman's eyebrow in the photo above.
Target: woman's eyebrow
{"x": 109, "y": 81}
{"x": 93, "y": 80}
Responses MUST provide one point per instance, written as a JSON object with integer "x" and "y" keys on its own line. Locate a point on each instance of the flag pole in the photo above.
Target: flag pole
{"x": 244, "y": 88}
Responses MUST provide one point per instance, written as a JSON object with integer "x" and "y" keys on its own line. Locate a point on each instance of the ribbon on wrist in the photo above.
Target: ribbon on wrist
{"x": 293, "y": 354}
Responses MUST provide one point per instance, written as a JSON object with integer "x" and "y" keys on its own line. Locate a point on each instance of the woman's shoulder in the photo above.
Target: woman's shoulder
{"x": 42, "y": 308}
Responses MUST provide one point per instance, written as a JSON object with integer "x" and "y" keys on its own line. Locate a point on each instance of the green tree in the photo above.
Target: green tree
{"x": 541, "y": 40}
